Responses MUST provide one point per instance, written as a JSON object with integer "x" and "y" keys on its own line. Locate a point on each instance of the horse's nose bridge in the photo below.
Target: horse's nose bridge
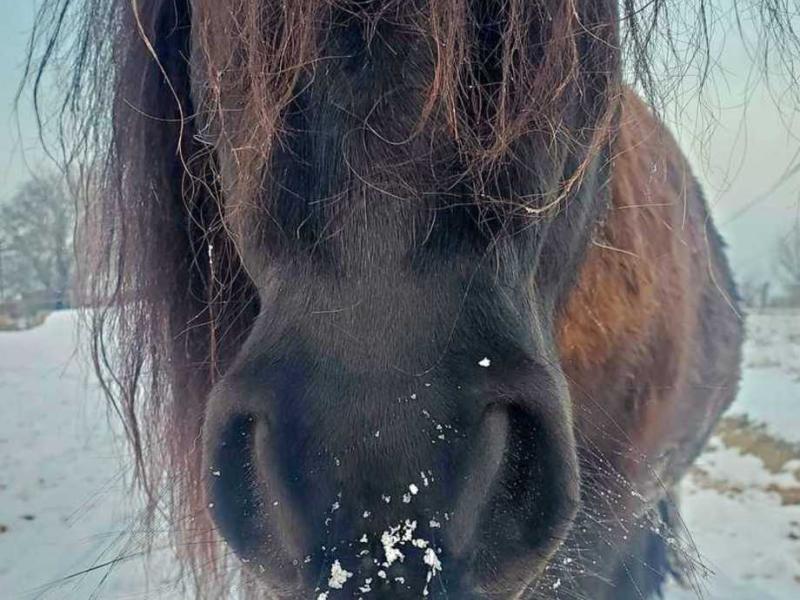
{"x": 382, "y": 320}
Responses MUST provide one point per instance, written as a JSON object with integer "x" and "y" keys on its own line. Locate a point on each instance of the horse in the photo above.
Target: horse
{"x": 399, "y": 298}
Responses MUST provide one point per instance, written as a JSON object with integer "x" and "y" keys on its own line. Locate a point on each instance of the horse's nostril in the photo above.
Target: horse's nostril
{"x": 234, "y": 502}
{"x": 483, "y": 463}
{"x": 520, "y": 493}
{"x": 247, "y": 494}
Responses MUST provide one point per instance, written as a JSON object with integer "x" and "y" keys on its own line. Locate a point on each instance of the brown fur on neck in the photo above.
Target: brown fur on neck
{"x": 632, "y": 281}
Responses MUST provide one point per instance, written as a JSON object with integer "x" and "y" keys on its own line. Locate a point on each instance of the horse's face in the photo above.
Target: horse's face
{"x": 397, "y": 420}
{"x": 395, "y": 408}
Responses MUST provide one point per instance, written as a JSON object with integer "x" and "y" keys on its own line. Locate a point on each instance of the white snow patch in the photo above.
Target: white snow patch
{"x": 432, "y": 560}
{"x": 339, "y": 576}
{"x": 397, "y": 537}
{"x": 394, "y": 537}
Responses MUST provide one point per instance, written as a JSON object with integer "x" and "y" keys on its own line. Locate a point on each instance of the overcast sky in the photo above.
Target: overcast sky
{"x": 16, "y": 17}
{"x": 739, "y": 159}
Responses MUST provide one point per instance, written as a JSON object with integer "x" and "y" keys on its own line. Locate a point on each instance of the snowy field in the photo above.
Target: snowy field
{"x": 65, "y": 507}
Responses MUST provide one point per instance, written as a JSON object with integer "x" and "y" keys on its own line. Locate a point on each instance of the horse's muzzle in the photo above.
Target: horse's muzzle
{"x": 475, "y": 512}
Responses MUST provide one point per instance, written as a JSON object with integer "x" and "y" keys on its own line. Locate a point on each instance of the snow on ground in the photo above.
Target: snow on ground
{"x": 769, "y": 391}
{"x": 65, "y": 506}
{"x": 741, "y": 502}
{"x": 63, "y": 494}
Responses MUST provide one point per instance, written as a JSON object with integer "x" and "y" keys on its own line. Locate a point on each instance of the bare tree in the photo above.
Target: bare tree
{"x": 36, "y": 233}
{"x": 748, "y": 290}
{"x": 753, "y": 290}
{"x": 788, "y": 262}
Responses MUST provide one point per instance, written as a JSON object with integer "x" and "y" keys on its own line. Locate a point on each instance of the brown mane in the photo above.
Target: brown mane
{"x": 641, "y": 279}
{"x": 652, "y": 292}
{"x": 632, "y": 272}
